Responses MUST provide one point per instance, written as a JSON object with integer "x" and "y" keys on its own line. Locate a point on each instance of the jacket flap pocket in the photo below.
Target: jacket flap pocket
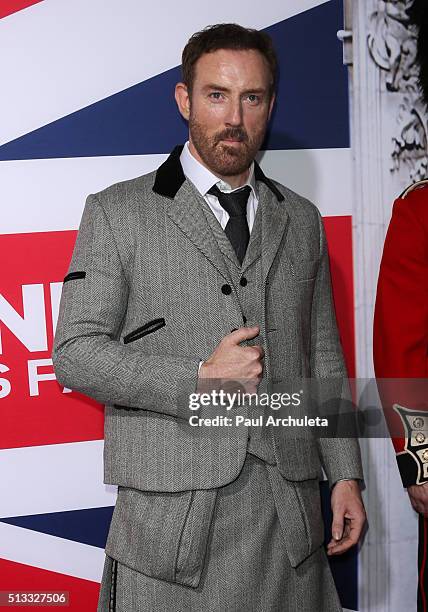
{"x": 194, "y": 537}
{"x": 145, "y": 329}
{"x": 162, "y": 535}
{"x": 74, "y": 275}
{"x": 299, "y": 512}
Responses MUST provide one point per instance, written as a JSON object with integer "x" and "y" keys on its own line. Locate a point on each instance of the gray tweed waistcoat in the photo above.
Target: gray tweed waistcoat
{"x": 249, "y": 290}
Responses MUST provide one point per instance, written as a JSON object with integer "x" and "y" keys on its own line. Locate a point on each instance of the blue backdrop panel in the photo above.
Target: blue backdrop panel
{"x": 89, "y": 526}
{"x": 143, "y": 119}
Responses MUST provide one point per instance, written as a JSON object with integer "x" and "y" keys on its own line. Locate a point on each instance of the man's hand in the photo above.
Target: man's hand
{"x": 348, "y": 516}
{"x": 419, "y": 498}
{"x": 230, "y": 361}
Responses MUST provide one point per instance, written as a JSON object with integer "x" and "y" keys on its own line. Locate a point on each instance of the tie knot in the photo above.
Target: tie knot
{"x": 235, "y": 202}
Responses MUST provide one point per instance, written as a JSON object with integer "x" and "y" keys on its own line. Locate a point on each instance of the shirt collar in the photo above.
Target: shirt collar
{"x": 204, "y": 179}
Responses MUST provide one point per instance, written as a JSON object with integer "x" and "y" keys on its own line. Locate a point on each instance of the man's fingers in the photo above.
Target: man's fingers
{"x": 256, "y": 349}
{"x": 337, "y": 525}
{"x": 337, "y": 548}
{"x": 347, "y": 530}
{"x": 348, "y": 510}
{"x": 351, "y": 534}
{"x": 242, "y": 333}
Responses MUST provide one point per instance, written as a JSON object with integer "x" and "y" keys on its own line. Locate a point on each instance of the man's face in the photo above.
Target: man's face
{"x": 228, "y": 110}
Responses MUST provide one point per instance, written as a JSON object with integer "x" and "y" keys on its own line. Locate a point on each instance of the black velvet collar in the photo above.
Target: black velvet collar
{"x": 170, "y": 176}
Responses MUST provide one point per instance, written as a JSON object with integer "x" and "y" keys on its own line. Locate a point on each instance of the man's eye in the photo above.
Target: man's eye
{"x": 253, "y": 98}
{"x": 216, "y": 95}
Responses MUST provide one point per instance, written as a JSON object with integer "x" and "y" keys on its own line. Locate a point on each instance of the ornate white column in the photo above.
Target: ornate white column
{"x": 389, "y": 145}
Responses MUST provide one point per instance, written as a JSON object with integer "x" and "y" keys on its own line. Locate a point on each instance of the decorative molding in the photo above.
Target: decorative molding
{"x": 391, "y": 43}
{"x": 410, "y": 148}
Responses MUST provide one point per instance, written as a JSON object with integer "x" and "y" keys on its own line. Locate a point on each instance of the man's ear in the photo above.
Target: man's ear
{"x": 271, "y": 105}
{"x": 183, "y": 100}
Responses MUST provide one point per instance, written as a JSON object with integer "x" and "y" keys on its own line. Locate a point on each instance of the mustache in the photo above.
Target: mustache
{"x": 233, "y": 133}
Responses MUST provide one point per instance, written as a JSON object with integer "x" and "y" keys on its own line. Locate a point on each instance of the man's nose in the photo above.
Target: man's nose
{"x": 234, "y": 114}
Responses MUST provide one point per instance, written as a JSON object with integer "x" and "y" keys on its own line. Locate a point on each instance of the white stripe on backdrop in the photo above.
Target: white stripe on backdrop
{"x": 74, "y": 52}
{"x": 51, "y": 553}
{"x": 49, "y": 194}
{"x": 53, "y": 478}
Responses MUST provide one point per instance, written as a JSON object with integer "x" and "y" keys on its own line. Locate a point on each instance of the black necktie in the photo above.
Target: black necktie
{"x": 235, "y": 204}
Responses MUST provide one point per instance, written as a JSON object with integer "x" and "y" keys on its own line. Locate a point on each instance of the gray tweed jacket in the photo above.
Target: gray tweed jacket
{"x": 144, "y": 301}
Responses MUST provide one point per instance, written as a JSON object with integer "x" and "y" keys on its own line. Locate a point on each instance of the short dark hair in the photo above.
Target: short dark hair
{"x": 227, "y": 36}
{"x": 418, "y": 14}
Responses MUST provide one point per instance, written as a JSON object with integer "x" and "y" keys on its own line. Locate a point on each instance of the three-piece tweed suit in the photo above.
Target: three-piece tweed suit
{"x": 228, "y": 520}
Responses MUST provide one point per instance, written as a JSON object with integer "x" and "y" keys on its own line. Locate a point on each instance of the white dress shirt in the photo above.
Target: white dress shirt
{"x": 203, "y": 179}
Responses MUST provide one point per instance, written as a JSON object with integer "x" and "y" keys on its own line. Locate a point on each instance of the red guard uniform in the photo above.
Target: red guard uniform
{"x": 400, "y": 344}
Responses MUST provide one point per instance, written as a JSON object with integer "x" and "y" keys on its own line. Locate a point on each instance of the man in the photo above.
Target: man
{"x": 207, "y": 270}
{"x": 400, "y": 339}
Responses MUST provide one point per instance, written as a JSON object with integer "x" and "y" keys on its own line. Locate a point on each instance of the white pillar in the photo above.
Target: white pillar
{"x": 383, "y": 93}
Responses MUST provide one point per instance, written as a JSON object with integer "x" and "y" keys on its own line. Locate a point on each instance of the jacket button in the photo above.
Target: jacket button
{"x": 226, "y": 289}
{"x": 243, "y": 281}
{"x": 244, "y": 318}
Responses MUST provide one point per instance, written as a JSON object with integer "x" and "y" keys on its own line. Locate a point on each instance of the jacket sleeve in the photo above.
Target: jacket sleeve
{"x": 400, "y": 334}
{"x": 87, "y": 355}
{"x": 340, "y": 456}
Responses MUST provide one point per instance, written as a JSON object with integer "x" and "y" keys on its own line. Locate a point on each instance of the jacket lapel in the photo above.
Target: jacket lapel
{"x": 186, "y": 211}
{"x": 274, "y": 221}
{"x": 222, "y": 240}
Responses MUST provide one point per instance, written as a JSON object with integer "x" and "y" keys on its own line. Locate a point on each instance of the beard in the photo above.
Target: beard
{"x": 223, "y": 159}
